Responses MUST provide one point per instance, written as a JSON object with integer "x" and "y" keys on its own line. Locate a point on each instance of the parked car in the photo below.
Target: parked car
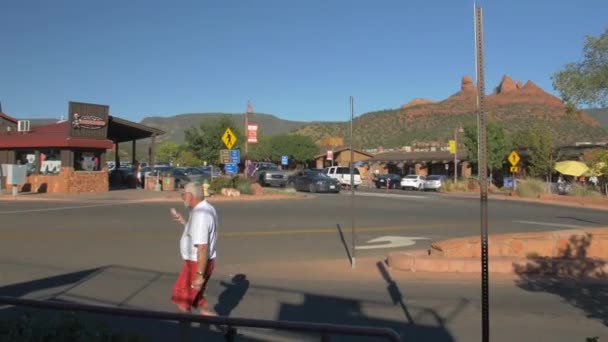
{"x": 390, "y": 180}
{"x": 195, "y": 174}
{"x": 213, "y": 170}
{"x": 413, "y": 182}
{"x": 434, "y": 182}
{"x": 269, "y": 174}
{"x": 343, "y": 175}
{"x": 314, "y": 181}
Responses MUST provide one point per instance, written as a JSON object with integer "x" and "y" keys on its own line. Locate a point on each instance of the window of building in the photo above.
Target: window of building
{"x": 87, "y": 161}
{"x": 26, "y": 157}
{"x": 50, "y": 161}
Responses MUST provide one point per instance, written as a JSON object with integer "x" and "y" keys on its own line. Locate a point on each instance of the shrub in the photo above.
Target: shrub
{"x": 531, "y": 187}
{"x": 242, "y": 184}
{"x": 67, "y": 327}
{"x": 583, "y": 191}
{"x": 450, "y": 186}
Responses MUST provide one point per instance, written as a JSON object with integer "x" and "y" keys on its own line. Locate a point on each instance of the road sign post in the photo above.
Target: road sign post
{"x": 284, "y": 160}
{"x": 513, "y": 159}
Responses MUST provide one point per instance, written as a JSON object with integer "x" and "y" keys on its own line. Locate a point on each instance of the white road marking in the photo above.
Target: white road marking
{"x": 550, "y": 224}
{"x": 388, "y": 195}
{"x": 393, "y": 242}
{"x": 63, "y": 208}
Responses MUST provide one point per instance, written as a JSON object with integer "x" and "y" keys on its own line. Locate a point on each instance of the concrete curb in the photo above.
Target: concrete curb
{"x": 244, "y": 198}
{"x": 420, "y": 261}
{"x": 571, "y": 202}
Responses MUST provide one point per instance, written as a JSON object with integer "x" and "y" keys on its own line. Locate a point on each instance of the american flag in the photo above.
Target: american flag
{"x": 249, "y": 107}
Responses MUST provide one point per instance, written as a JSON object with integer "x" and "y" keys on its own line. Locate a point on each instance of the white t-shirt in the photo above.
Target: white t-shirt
{"x": 200, "y": 229}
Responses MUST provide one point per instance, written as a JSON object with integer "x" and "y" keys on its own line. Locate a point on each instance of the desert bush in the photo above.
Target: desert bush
{"x": 531, "y": 187}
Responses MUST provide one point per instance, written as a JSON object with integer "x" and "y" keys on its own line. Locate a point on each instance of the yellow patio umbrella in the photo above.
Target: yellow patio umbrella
{"x": 571, "y": 168}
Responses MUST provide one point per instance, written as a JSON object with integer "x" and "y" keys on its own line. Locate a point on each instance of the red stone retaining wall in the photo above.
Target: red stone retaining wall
{"x": 557, "y": 244}
{"x": 67, "y": 181}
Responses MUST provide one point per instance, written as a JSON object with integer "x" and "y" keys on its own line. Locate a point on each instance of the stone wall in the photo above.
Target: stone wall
{"x": 67, "y": 181}
{"x": 589, "y": 243}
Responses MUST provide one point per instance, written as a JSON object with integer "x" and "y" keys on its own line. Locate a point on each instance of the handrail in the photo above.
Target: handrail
{"x": 320, "y": 328}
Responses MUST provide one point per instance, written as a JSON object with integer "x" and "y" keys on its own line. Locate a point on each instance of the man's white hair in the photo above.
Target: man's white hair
{"x": 196, "y": 189}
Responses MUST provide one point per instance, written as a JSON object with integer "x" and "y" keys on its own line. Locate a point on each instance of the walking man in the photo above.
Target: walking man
{"x": 197, "y": 247}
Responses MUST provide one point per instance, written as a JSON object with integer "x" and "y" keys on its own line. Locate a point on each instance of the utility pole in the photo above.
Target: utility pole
{"x": 456, "y": 131}
{"x": 352, "y": 183}
{"x": 249, "y": 110}
{"x": 483, "y": 175}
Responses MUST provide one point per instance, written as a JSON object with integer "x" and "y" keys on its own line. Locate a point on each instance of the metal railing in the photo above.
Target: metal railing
{"x": 324, "y": 330}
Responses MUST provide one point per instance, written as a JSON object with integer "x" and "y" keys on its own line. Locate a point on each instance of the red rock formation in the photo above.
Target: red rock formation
{"x": 467, "y": 85}
{"x": 416, "y": 102}
{"x": 507, "y": 85}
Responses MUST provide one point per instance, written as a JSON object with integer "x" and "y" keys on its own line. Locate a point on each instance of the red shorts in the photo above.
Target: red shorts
{"x": 185, "y": 296}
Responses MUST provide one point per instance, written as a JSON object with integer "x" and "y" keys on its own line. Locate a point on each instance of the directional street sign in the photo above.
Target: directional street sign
{"x": 513, "y": 158}
{"x": 228, "y": 138}
{"x": 231, "y": 169}
{"x": 284, "y": 160}
{"x": 235, "y": 156}
{"x": 225, "y": 156}
{"x": 514, "y": 169}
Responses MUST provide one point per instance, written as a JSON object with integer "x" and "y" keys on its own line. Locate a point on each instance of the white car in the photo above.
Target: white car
{"x": 414, "y": 182}
{"x": 434, "y": 182}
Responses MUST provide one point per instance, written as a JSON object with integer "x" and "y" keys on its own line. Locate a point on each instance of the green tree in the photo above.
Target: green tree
{"x": 205, "y": 141}
{"x": 187, "y": 158}
{"x": 542, "y": 153}
{"x": 498, "y": 145}
{"x": 586, "y": 82}
{"x": 168, "y": 151}
{"x": 299, "y": 148}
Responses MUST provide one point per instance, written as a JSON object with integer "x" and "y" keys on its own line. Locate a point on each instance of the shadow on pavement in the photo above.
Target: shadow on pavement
{"x": 234, "y": 293}
{"x": 76, "y": 287}
{"x": 568, "y": 276}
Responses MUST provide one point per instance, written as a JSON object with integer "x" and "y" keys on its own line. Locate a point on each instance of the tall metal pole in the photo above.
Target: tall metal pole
{"x": 352, "y": 184}
{"x": 483, "y": 176}
{"x": 455, "y": 155}
{"x": 247, "y": 129}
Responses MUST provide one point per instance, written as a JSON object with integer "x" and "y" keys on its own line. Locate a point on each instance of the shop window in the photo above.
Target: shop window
{"x": 87, "y": 161}
{"x": 50, "y": 161}
{"x": 26, "y": 157}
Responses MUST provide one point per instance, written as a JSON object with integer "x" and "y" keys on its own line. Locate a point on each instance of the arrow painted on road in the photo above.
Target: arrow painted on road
{"x": 392, "y": 242}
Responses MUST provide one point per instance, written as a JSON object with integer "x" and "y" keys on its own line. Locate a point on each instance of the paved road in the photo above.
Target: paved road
{"x": 126, "y": 254}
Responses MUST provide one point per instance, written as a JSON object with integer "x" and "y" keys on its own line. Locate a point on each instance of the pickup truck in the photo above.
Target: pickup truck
{"x": 342, "y": 174}
{"x": 269, "y": 174}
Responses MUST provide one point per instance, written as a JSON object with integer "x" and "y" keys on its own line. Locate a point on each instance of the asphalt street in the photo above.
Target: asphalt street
{"x": 126, "y": 254}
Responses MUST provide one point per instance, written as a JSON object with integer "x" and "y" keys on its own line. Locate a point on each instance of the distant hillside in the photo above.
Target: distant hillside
{"x": 599, "y": 114}
{"x": 176, "y": 125}
{"x": 514, "y": 105}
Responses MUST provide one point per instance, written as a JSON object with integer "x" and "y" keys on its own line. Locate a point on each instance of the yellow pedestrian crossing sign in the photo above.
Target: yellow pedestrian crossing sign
{"x": 513, "y": 158}
{"x": 228, "y": 138}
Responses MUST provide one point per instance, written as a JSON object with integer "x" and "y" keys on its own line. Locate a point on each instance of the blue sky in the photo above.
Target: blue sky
{"x": 300, "y": 60}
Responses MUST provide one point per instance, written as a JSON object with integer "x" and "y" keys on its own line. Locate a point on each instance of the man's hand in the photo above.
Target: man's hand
{"x": 197, "y": 283}
{"x": 177, "y": 216}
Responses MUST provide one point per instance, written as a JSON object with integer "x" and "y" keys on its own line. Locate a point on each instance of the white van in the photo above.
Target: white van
{"x": 342, "y": 174}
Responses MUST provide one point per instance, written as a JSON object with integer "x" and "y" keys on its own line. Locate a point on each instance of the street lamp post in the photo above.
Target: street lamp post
{"x": 456, "y": 131}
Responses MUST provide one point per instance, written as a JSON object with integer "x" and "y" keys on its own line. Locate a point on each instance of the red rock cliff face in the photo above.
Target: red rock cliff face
{"x": 509, "y": 91}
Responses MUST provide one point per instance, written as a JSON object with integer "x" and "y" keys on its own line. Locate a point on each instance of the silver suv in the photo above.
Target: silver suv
{"x": 269, "y": 174}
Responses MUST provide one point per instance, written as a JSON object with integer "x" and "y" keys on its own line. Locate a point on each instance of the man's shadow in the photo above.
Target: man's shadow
{"x": 230, "y": 298}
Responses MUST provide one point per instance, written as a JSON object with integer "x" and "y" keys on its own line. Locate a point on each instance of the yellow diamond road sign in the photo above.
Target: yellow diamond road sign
{"x": 228, "y": 138}
{"x": 513, "y": 158}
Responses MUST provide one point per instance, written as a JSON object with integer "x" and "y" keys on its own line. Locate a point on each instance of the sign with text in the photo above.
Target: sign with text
{"x": 235, "y": 156}
{"x": 225, "y": 156}
{"x": 88, "y": 120}
{"x": 231, "y": 169}
{"x": 252, "y": 133}
{"x": 228, "y": 138}
{"x": 284, "y": 160}
{"x": 330, "y": 155}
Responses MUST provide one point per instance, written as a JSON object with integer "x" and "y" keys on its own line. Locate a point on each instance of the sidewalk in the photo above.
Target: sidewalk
{"x": 599, "y": 203}
{"x": 134, "y": 195}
